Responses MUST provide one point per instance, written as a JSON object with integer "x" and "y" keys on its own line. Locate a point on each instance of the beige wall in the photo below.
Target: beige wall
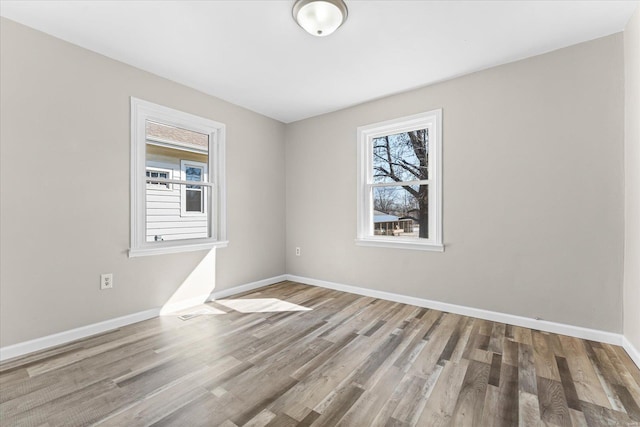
{"x": 533, "y": 191}
{"x": 632, "y": 181}
{"x": 65, "y": 190}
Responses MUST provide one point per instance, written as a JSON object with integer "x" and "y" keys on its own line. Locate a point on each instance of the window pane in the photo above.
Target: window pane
{"x": 401, "y": 211}
{"x": 176, "y": 211}
{"x": 401, "y": 157}
{"x": 194, "y": 199}
{"x": 165, "y": 218}
{"x": 193, "y": 174}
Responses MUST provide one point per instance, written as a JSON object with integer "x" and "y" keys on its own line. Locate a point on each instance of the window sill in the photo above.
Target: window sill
{"x": 176, "y": 248}
{"x": 400, "y": 244}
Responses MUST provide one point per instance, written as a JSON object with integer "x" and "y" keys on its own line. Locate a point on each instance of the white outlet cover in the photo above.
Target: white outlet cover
{"x": 106, "y": 281}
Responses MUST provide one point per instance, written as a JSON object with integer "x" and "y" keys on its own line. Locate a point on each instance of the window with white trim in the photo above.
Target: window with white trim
{"x": 177, "y": 181}
{"x": 192, "y": 197}
{"x": 400, "y": 183}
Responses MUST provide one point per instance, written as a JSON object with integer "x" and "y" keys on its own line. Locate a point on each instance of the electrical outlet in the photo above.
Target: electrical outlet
{"x": 298, "y": 252}
{"x": 106, "y": 281}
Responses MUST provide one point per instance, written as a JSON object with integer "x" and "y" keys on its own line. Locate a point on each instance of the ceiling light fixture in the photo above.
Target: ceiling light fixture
{"x": 320, "y": 17}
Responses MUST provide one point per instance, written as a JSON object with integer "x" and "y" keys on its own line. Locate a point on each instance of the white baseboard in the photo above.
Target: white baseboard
{"x": 542, "y": 325}
{"x": 20, "y": 349}
{"x": 633, "y": 352}
{"x": 247, "y": 287}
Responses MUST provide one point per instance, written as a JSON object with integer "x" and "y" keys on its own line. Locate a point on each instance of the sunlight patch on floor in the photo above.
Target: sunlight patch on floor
{"x": 260, "y": 305}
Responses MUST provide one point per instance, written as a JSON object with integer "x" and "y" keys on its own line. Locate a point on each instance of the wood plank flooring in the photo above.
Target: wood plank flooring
{"x": 297, "y": 355}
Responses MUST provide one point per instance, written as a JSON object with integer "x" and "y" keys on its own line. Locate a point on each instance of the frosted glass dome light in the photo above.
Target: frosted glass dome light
{"x": 320, "y": 17}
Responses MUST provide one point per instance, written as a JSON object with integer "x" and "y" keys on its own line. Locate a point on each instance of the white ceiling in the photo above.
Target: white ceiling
{"x": 253, "y": 54}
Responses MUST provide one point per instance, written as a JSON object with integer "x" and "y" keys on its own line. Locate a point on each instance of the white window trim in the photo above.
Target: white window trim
{"x": 183, "y": 188}
{"x": 141, "y": 111}
{"x": 431, "y": 120}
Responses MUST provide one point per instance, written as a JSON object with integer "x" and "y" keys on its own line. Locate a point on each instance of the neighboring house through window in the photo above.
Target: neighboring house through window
{"x": 158, "y": 173}
{"x": 171, "y": 152}
{"x": 400, "y": 183}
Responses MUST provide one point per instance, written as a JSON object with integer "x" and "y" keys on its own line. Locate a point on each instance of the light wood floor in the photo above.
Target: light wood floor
{"x": 296, "y": 355}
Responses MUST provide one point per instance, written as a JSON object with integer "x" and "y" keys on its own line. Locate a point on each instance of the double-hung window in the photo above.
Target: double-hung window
{"x": 400, "y": 183}
{"x": 177, "y": 181}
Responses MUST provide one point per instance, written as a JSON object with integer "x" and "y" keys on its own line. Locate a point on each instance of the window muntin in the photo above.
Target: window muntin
{"x": 399, "y": 183}
{"x": 170, "y": 151}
